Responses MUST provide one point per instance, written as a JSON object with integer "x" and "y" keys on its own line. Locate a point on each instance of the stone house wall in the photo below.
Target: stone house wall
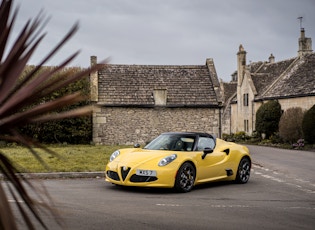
{"x": 302, "y": 102}
{"x": 121, "y": 125}
{"x": 226, "y": 120}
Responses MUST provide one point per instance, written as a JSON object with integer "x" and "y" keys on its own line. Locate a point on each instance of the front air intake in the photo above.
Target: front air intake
{"x": 124, "y": 172}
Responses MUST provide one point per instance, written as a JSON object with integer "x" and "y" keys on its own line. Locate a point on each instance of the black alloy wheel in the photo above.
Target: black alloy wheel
{"x": 243, "y": 172}
{"x": 185, "y": 178}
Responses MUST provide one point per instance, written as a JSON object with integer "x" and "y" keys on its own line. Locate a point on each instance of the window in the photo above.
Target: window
{"x": 246, "y": 128}
{"x": 174, "y": 142}
{"x": 245, "y": 99}
{"x": 205, "y": 142}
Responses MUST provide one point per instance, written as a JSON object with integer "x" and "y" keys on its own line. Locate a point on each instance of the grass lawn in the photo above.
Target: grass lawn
{"x": 74, "y": 158}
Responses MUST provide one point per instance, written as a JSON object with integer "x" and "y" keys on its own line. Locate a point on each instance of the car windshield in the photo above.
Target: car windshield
{"x": 173, "y": 142}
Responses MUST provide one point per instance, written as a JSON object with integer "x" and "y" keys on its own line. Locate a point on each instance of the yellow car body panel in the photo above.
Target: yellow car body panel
{"x": 221, "y": 164}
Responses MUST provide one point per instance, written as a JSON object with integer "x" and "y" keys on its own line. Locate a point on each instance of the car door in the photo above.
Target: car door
{"x": 212, "y": 166}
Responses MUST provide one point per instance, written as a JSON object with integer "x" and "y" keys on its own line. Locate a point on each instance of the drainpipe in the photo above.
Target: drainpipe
{"x": 220, "y": 123}
{"x": 253, "y": 114}
{"x": 230, "y": 119}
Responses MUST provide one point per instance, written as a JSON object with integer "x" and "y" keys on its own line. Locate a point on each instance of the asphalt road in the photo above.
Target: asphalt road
{"x": 279, "y": 195}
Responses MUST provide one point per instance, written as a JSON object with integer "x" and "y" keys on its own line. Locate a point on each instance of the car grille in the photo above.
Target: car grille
{"x": 124, "y": 172}
{"x": 135, "y": 178}
{"x": 113, "y": 175}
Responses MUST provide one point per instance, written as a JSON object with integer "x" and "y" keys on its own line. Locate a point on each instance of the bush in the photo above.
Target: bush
{"x": 237, "y": 137}
{"x": 308, "y": 125}
{"x": 275, "y": 138}
{"x": 290, "y": 125}
{"x": 240, "y": 136}
{"x": 267, "y": 118}
{"x": 77, "y": 130}
{"x": 228, "y": 137}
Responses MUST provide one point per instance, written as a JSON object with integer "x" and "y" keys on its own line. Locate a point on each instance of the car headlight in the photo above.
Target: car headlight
{"x": 167, "y": 160}
{"x": 114, "y": 155}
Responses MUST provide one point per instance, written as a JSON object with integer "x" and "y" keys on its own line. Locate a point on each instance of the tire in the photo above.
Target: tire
{"x": 185, "y": 178}
{"x": 243, "y": 171}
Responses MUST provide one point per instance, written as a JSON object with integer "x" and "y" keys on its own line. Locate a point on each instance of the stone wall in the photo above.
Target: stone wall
{"x": 303, "y": 102}
{"x": 226, "y": 120}
{"x": 121, "y": 125}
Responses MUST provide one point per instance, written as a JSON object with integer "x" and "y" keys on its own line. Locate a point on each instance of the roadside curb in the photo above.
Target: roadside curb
{"x": 60, "y": 175}
{"x": 69, "y": 175}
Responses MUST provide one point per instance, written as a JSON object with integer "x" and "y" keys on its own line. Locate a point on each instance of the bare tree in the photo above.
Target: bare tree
{"x": 18, "y": 97}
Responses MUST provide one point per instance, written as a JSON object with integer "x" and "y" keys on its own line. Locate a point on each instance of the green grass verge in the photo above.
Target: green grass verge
{"x": 73, "y": 158}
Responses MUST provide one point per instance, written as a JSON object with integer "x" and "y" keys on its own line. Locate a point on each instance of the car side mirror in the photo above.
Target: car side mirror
{"x": 206, "y": 151}
{"x": 136, "y": 145}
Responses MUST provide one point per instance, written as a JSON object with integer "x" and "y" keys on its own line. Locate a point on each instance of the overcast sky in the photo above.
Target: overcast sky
{"x": 172, "y": 32}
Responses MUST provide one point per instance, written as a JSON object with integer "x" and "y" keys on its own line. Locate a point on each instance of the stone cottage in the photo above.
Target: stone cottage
{"x": 135, "y": 103}
{"x": 291, "y": 82}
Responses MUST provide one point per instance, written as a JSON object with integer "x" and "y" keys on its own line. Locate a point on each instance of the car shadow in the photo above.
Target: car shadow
{"x": 144, "y": 190}
{"x": 129, "y": 189}
{"x": 214, "y": 185}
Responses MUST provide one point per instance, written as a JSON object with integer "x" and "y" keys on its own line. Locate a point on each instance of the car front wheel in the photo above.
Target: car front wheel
{"x": 185, "y": 178}
{"x": 243, "y": 171}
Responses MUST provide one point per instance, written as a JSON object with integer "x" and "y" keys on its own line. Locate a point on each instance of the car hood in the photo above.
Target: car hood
{"x": 141, "y": 156}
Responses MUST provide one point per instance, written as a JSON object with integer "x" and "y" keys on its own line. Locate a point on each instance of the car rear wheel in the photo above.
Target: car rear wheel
{"x": 185, "y": 178}
{"x": 243, "y": 171}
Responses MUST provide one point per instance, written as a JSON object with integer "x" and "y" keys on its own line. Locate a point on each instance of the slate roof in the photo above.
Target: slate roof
{"x": 298, "y": 82}
{"x": 229, "y": 89}
{"x": 133, "y": 85}
{"x": 290, "y": 78}
{"x": 268, "y": 73}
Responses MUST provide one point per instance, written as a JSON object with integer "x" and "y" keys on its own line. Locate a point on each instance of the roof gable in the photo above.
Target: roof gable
{"x": 134, "y": 85}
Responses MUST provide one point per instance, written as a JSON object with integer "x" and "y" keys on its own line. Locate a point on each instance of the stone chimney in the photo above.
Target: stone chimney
{"x": 305, "y": 44}
{"x": 94, "y": 81}
{"x": 271, "y": 58}
{"x": 234, "y": 76}
{"x": 241, "y": 64}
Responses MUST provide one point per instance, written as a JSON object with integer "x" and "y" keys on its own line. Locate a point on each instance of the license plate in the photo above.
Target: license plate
{"x": 141, "y": 172}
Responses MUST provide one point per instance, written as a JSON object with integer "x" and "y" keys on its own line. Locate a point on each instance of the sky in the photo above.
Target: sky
{"x": 171, "y": 32}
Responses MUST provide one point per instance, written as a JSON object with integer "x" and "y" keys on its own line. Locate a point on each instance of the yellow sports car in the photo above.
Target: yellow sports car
{"x": 179, "y": 160}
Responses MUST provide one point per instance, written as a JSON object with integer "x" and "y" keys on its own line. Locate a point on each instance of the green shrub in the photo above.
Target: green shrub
{"x": 76, "y": 130}
{"x": 308, "y": 125}
{"x": 275, "y": 138}
{"x": 290, "y": 125}
{"x": 267, "y": 118}
{"x": 240, "y": 136}
{"x": 228, "y": 137}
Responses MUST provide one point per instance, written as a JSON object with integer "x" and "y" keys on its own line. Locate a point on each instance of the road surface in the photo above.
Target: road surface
{"x": 279, "y": 195}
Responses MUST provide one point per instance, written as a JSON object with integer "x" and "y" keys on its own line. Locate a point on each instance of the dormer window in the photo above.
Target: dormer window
{"x": 160, "y": 97}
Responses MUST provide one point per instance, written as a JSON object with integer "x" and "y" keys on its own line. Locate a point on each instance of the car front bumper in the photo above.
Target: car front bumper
{"x": 126, "y": 176}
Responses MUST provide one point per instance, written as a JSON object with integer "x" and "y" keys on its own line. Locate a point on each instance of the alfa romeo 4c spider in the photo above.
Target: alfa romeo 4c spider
{"x": 179, "y": 160}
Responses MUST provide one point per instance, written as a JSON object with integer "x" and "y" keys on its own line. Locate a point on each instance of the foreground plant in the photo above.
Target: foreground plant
{"x": 18, "y": 97}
